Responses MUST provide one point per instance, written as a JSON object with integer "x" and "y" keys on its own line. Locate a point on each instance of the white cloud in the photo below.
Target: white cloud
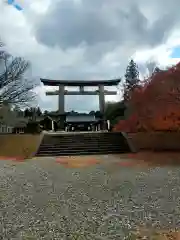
{"x": 98, "y": 46}
{"x": 161, "y": 54}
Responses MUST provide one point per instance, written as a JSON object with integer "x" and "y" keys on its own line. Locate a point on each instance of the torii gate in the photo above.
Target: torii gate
{"x": 61, "y": 92}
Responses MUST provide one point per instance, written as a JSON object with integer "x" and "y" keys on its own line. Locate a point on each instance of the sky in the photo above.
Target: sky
{"x": 89, "y": 40}
{"x": 176, "y": 52}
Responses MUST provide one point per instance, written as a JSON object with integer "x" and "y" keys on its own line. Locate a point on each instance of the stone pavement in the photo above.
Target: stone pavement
{"x": 91, "y": 197}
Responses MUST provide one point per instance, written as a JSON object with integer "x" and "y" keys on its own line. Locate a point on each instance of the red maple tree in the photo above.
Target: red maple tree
{"x": 155, "y": 104}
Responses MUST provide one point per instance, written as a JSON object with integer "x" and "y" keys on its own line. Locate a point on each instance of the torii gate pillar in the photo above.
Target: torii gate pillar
{"x": 101, "y": 99}
{"x": 61, "y": 107}
{"x": 102, "y": 104}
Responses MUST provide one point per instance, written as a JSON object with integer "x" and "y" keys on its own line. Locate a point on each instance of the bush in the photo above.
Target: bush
{"x": 33, "y": 127}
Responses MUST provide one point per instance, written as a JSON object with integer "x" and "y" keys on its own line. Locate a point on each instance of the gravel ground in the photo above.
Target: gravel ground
{"x": 41, "y": 199}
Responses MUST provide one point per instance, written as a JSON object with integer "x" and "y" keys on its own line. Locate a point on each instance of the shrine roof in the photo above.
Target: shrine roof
{"x": 71, "y": 83}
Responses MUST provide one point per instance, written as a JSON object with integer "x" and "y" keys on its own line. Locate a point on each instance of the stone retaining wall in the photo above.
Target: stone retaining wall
{"x": 157, "y": 141}
{"x": 19, "y": 145}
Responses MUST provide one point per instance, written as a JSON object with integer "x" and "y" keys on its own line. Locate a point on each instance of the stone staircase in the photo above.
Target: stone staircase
{"x": 68, "y": 144}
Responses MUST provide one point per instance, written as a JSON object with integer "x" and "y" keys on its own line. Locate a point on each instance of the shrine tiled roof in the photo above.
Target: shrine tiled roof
{"x": 80, "y": 118}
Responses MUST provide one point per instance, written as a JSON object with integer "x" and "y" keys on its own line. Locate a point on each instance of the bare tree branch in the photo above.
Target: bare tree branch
{"x": 15, "y": 89}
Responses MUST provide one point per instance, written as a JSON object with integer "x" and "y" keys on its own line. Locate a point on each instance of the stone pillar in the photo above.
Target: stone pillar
{"x": 81, "y": 89}
{"x": 52, "y": 125}
{"x": 61, "y": 100}
{"x": 108, "y": 125}
{"x": 102, "y": 104}
{"x": 101, "y": 99}
{"x": 61, "y": 107}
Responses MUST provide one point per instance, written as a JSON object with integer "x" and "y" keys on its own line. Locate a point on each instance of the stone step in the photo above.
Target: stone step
{"x": 82, "y": 144}
{"x": 81, "y": 137}
{"x": 81, "y": 140}
{"x": 75, "y": 148}
{"x": 79, "y": 153}
{"x": 62, "y": 144}
{"x": 87, "y": 135}
{"x": 59, "y": 140}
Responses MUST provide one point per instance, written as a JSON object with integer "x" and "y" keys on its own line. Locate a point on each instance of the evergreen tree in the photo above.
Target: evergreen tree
{"x": 131, "y": 79}
{"x": 38, "y": 111}
{"x": 157, "y": 69}
{"x": 27, "y": 112}
{"x": 45, "y": 113}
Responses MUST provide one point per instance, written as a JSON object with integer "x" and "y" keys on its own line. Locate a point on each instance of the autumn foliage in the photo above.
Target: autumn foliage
{"x": 155, "y": 104}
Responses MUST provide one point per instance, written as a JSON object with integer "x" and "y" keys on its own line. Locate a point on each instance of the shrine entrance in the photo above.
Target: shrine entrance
{"x": 61, "y": 92}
